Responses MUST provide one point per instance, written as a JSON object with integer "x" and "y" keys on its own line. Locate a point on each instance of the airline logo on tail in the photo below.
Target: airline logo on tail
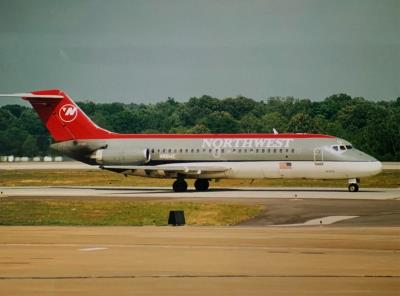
{"x": 68, "y": 112}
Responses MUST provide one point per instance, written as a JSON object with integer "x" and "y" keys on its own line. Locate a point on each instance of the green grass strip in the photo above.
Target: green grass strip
{"x": 124, "y": 213}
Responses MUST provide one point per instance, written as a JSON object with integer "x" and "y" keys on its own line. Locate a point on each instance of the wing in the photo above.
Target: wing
{"x": 165, "y": 170}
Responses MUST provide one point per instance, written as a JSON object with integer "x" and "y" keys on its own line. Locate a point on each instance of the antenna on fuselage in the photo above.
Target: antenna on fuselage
{"x": 275, "y": 131}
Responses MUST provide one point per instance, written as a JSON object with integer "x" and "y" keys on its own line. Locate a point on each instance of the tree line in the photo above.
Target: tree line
{"x": 373, "y": 127}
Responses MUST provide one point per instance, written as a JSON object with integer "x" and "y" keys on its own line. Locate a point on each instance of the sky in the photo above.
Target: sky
{"x": 146, "y": 51}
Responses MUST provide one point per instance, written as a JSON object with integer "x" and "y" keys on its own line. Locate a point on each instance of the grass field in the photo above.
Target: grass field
{"x": 387, "y": 179}
{"x": 121, "y": 213}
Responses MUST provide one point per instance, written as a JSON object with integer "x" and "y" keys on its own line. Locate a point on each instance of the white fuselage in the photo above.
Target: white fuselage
{"x": 245, "y": 157}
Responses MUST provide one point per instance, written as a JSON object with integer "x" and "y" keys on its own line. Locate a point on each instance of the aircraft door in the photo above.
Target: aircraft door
{"x": 147, "y": 155}
{"x": 318, "y": 156}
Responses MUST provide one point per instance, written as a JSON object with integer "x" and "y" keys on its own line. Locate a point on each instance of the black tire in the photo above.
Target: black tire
{"x": 179, "y": 186}
{"x": 201, "y": 184}
{"x": 353, "y": 188}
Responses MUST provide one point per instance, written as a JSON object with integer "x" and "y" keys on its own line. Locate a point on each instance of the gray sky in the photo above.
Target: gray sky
{"x": 145, "y": 51}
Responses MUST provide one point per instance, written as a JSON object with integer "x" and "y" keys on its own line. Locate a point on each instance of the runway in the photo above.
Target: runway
{"x": 199, "y": 261}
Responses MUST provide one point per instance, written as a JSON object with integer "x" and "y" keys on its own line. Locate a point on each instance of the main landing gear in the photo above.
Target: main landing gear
{"x": 201, "y": 184}
{"x": 353, "y": 185}
{"x": 180, "y": 185}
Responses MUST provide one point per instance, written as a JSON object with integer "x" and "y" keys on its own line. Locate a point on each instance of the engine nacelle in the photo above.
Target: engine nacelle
{"x": 118, "y": 156}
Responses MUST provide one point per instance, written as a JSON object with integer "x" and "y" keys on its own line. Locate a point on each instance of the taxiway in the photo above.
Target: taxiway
{"x": 229, "y": 193}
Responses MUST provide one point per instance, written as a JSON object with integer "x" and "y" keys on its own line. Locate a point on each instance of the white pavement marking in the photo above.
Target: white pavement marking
{"x": 166, "y": 192}
{"x": 93, "y": 249}
{"x": 328, "y": 220}
{"x": 321, "y": 221}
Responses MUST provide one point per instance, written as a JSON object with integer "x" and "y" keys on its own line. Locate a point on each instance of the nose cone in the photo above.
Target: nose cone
{"x": 366, "y": 165}
{"x": 374, "y": 167}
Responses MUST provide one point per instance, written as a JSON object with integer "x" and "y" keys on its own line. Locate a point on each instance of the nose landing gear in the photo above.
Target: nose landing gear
{"x": 353, "y": 185}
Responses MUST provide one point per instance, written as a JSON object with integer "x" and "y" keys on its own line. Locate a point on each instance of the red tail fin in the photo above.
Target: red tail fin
{"x": 62, "y": 117}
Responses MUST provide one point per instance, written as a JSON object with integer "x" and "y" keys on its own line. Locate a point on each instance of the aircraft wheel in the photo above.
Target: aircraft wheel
{"x": 353, "y": 187}
{"x": 179, "y": 186}
{"x": 201, "y": 184}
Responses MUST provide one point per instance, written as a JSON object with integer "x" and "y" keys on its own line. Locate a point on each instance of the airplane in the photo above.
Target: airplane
{"x": 198, "y": 156}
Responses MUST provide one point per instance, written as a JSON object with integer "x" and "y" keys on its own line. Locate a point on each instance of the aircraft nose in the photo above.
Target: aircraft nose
{"x": 375, "y": 167}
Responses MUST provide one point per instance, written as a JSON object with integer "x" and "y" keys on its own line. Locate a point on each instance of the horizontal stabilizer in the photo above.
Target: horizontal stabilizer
{"x": 31, "y": 95}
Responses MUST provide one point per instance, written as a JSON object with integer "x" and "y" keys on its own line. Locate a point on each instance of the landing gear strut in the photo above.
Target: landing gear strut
{"x": 353, "y": 185}
{"x": 179, "y": 185}
{"x": 201, "y": 184}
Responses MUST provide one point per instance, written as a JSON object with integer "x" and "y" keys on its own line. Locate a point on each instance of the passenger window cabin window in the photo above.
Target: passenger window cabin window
{"x": 263, "y": 151}
{"x": 180, "y": 150}
{"x": 256, "y": 150}
{"x": 293, "y": 150}
{"x": 222, "y": 150}
{"x": 269, "y": 150}
{"x": 186, "y": 150}
{"x": 152, "y": 150}
{"x": 280, "y": 150}
{"x": 198, "y": 150}
{"x": 191, "y": 150}
{"x": 163, "y": 150}
{"x": 274, "y": 150}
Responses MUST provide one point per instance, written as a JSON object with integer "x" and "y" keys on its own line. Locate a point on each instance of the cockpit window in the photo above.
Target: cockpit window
{"x": 341, "y": 148}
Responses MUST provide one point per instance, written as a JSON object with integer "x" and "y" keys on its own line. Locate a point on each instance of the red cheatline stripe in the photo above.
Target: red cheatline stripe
{"x": 213, "y": 136}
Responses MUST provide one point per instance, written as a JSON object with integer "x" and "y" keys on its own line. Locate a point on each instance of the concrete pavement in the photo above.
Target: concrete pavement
{"x": 199, "y": 261}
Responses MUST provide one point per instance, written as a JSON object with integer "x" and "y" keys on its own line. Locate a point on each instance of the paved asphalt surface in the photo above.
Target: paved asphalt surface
{"x": 199, "y": 260}
{"x": 358, "y": 255}
{"x": 230, "y": 193}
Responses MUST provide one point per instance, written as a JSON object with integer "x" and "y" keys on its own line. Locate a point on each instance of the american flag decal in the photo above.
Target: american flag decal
{"x": 285, "y": 165}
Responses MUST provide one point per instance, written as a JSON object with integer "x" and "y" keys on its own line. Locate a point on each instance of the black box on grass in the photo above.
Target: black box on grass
{"x": 176, "y": 218}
